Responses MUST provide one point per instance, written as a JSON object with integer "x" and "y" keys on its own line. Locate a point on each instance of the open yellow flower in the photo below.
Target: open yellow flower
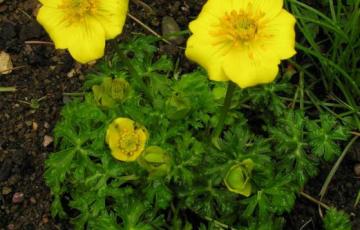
{"x": 82, "y": 26}
{"x": 126, "y": 139}
{"x": 242, "y": 40}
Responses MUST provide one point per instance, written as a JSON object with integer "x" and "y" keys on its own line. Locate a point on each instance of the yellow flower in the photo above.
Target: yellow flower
{"x": 126, "y": 139}
{"x": 242, "y": 40}
{"x": 82, "y": 26}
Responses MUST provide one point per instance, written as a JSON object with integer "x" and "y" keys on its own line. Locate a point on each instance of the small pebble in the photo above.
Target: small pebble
{"x": 18, "y": 197}
{"x": 11, "y": 227}
{"x": 5, "y": 63}
{"x": 170, "y": 29}
{"x": 32, "y": 200}
{"x": 357, "y": 169}
{"x": 45, "y": 219}
{"x": 71, "y": 73}
{"x": 35, "y": 125}
{"x": 47, "y": 140}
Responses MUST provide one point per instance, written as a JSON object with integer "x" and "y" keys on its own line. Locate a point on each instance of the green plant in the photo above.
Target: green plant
{"x": 329, "y": 46}
{"x": 182, "y": 180}
{"x": 336, "y": 220}
{"x": 357, "y": 200}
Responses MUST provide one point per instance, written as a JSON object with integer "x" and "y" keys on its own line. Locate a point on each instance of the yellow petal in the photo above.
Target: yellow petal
{"x": 216, "y": 8}
{"x": 271, "y": 8}
{"x": 119, "y": 155}
{"x": 278, "y": 35}
{"x": 122, "y": 123}
{"x": 112, "y": 138}
{"x": 86, "y": 40}
{"x": 111, "y": 14}
{"x": 53, "y": 21}
{"x": 249, "y": 67}
{"x": 203, "y": 53}
{"x": 143, "y": 136}
{"x": 52, "y": 3}
{"x": 200, "y": 46}
{"x": 241, "y": 4}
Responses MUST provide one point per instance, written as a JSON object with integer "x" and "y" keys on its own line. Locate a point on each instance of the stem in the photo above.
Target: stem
{"x": 218, "y": 223}
{"x": 312, "y": 199}
{"x": 148, "y": 28}
{"x": 7, "y": 89}
{"x": 302, "y": 91}
{"x": 74, "y": 94}
{"x": 224, "y": 110}
{"x": 135, "y": 74}
{"x": 355, "y": 133}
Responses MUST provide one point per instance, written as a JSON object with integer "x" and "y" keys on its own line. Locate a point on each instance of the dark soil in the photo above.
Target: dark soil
{"x": 46, "y": 74}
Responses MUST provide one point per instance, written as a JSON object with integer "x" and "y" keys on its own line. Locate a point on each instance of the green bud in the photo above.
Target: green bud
{"x": 120, "y": 89}
{"x": 177, "y": 107}
{"x": 237, "y": 179}
{"x": 101, "y": 96}
{"x": 155, "y": 160}
{"x": 219, "y": 92}
{"x": 111, "y": 91}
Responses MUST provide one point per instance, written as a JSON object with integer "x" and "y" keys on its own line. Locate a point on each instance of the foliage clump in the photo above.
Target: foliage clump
{"x": 336, "y": 220}
{"x": 181, "y": 180}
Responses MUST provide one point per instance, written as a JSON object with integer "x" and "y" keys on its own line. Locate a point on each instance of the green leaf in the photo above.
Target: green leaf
{"x": 323, "y": 139}
{"x": 276, "y": 198}
{"x": 336, "y": 220}
{"x": 290, "y": 147}
{"x": 57, "y": 166}
{"x": 266, "y": 97}
{"x": 132, "y": 211}
{"x": 158, "y": 194}
{"x": 104, "y": 221}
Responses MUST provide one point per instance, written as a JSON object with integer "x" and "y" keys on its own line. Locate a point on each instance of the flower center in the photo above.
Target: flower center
{"x": 237, "y": 27}
{"x": 76, "y": 10}
{"x": 128, "y": 142}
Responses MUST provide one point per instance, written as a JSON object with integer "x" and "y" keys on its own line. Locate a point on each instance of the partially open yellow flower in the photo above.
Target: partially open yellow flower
{"x": 242, "y": 40}
{"x": 82, "y": 26}
{"x": 126, "y": 139}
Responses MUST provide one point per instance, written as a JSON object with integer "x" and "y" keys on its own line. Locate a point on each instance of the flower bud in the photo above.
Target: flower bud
{"x": 120, "y": 89}
{"x": 219, "y": 93}
{"x": 177, "y": 107}
{"x": 237, "y": 179}
{"x": 155, "y": 160}
{"x": 111, "y": 91}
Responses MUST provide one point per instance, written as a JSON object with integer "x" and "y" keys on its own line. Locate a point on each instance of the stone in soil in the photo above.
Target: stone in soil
{"x": 18, "y": 198}
{"x": 357, "y": 169}
{"x": 5, "y": 63}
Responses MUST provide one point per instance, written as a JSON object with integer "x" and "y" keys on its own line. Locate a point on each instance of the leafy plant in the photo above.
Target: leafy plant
{"x": 179, "y": 180}
{"x": 329, "y": 45}
{"x": 336, "y": 220}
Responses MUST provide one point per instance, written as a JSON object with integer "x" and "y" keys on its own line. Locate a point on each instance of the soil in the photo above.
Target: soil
{"x": 28, "y": 116}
